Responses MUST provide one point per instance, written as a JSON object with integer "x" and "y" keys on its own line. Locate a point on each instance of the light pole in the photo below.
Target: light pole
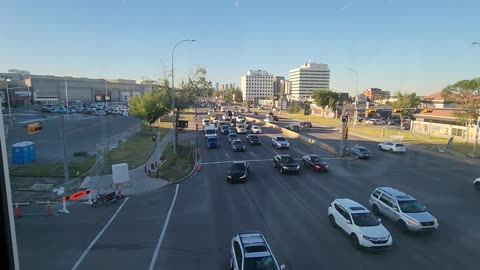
{"x": 355, "y": 115}
{"x": 475, "y": 143}
{"x": 7, "y": 79}
{"x": 174, "y": 124}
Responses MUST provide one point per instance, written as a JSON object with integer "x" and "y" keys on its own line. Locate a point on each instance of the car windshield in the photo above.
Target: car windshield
{"x": 411, "y": 206}
{"x": 253, "y": 137}
{"x": 365, "y": 220}
{"x": 399, "y": 145}
{"x": 237, "y": 142}
{"x": 260, "y": 263}
{"x": 362, "y": 149}
{"x": 287, "y": 160}
{"x": 280, "y": 139}
{"x": 315, "y": 159}
{"x": 238, "y": 167}
{"x": 212, "y": 139}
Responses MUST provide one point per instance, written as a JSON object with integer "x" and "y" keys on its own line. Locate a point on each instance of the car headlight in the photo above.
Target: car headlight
{"x": 284, "y": 167}
{"x": 412, "y": 222}
{"x": 368, "y": 237}
{"x": 243, "y": 176}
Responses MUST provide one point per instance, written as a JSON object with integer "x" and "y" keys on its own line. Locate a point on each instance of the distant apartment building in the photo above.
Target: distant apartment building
{"x": 217, "y": 86}
{"x": 278, "y": 86}
{"x": 376, "y": 94}
{"x": 257, "y": 84}
{"x": 307, "y": 78}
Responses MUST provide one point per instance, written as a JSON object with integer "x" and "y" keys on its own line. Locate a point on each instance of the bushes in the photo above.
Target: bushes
{"x": 294, "y": 109}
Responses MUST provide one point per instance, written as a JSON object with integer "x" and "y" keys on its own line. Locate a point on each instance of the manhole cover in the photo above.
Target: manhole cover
{"x": 41, "y": 186}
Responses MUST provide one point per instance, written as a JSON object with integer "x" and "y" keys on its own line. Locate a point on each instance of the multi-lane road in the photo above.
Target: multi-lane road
{"x": 290, "y": 210}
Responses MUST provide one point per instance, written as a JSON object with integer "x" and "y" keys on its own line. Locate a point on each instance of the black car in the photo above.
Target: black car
{"x": 294, "y": 127}
{"x": 358, "y": 152}
{"x": 275, "y": 118}
{"x": 248, "y": 124}
{"x": 255, "y": 113}
{"x": 286, "y": 164}
{"x": 305, "y": 125}
{"x": 238, "y": 172}
{"x": 237, "y": 145}
{"x": 253, "y": 139}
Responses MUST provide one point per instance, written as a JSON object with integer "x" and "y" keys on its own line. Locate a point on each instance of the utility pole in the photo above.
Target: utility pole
{"x": 66, "y": 93}
{"x": 64, "y": 150}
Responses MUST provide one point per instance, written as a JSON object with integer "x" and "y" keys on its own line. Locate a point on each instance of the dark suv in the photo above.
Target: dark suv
{"x": 305, "y": 125}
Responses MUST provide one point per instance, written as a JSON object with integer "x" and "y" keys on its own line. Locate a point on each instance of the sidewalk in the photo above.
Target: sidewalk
{"x": 139, "y": 181}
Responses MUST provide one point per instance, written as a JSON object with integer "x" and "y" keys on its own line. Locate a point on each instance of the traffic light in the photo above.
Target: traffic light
{"x": 428, "y": 110}
{"x": 345, "y": 119}
{"x": 372, "y": 111}
{"x": 345, "y": 133}
{"x": 34, "y": 127}
{"x": 306, "y": 109}
{"x": 397, "y": 110}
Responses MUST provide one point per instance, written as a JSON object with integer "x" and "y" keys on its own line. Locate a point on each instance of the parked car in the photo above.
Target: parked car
{"x": 286, "y": 164}
{"x": 392, "y": 147}
{"x": 212, "y": 142}
{"x": 238, "y": 172}
{"x": 256, "y": 130}
{"x": 237, "y": 145}
{"x": 364, "y": 229}
{"x": 251, "y": 251}
{"x": 378, "y": 122}
{"x": 359, "y": 152}
{"x": 280, "y": 142}
{"x": 226, "y": 117}
{"x": 403, "y": 209}
{"x": 232, "y": 136}
{"x": 253, "y": 139}
{"x": 315, "y": 163}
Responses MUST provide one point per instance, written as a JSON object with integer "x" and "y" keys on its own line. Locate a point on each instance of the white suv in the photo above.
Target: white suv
{"x": 392, "y": 147}
{"x": 251, "y": 251}
{"x": 256, "y": 129}
{"x": 362, "y": 226}
{"x": 403, "y": 209}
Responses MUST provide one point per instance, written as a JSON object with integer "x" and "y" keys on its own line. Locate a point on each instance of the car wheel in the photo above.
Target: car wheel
{"x": 391, "y": 150}
{"x": 332, "y": 221}
{"x": 274, "y": 165}
{"x": 281, "y": 170}
{"x": 355, "y": 241}
{"x": 380, "y": 148}
{"x": 375, "y": 210}
{"x": 303, "y": 163}
{"x": 477, "y": 186}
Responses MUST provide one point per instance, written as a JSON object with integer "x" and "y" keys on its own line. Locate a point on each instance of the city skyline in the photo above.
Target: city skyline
{"x": 388, "y": 43}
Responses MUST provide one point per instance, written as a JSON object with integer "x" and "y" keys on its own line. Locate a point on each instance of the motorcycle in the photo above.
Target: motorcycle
{"x": 111, "y": 197}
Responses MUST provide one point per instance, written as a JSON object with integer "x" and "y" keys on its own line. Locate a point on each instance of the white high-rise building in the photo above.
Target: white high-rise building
{"x": 308, "y": 77}
{"x": 257, "y": 84}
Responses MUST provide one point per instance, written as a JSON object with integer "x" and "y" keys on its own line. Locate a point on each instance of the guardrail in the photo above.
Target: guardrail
{"x": 294, "y": 134}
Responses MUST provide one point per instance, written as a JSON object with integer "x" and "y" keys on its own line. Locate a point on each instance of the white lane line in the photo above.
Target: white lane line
{"x": 275, "y": 152}
{"x": 227, "y": 155}
{"x": 253, "y": 154}
{"x": 249, "y": 160}
{"x": 159, "y": 244}
{"x": 84, "y": 254}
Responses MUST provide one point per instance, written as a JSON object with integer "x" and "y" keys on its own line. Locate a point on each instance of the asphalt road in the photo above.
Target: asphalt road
{"x": 290, "y": 210}
{"x": 81, "y": 135}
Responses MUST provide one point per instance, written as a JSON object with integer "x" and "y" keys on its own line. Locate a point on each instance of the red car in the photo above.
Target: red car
{"x": 315, "y": 163}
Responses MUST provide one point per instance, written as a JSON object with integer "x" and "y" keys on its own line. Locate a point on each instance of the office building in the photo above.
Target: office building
{"x": 307, "y": 78}
{"x": 278, "y": 86}
{"x": 217, "y": 86}
{"x": 257, "y": 84}
{"x": 376, "y": 94}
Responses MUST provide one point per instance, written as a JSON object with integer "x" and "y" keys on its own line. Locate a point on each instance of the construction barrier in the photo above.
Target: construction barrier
{"x": 73, "y": 197}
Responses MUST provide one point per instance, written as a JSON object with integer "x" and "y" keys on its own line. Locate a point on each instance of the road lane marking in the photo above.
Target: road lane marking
{"x": 84, "y": 254}
{"x": 159, "y": 244}
{"x": 253, "y": 154}
{"x": 249, "y": 160}
{"x": 275, "y": 152}
{"x": 227, "y": 155}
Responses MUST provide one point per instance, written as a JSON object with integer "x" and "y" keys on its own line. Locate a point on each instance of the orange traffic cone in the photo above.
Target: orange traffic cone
{"x": 49, "y": 208}
{"x": 17, "y": 210}
{"x": 197, "y": 166}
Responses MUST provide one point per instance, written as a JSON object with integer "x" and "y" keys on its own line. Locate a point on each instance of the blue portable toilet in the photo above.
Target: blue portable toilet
{"x": 20, "y": 153}
{"x": 31, "y": 150}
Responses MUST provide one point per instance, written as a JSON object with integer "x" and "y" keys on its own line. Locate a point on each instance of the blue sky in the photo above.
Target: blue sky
{"x": 409, "y": 45}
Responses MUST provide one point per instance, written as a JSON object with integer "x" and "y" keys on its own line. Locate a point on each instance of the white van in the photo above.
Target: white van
{"x": 210, "y": 131}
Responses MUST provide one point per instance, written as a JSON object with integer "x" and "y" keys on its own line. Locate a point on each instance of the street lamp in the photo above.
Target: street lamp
{"x": 7, "y": 79}
{"x": 355, "y": 116}
{"x": 173, "y": 97}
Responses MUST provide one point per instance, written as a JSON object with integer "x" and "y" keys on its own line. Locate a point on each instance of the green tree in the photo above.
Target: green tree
{"x": 227, "y": 95}
{"x": 403, "y": 101}
{"x": 464, "y": 93}
{"x": 185, "y": 96}
{"x": 150, "y": 106}
{"x": 324, "y": 98}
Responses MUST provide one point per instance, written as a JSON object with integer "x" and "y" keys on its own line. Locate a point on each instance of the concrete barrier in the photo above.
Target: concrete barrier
{"x": 296, "y": 135}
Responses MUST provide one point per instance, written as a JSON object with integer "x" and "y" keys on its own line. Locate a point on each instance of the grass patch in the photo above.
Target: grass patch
{"x": 315, "y": 119}
{"x": 177, "y": 166}
{"x": 135, "y": 151}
